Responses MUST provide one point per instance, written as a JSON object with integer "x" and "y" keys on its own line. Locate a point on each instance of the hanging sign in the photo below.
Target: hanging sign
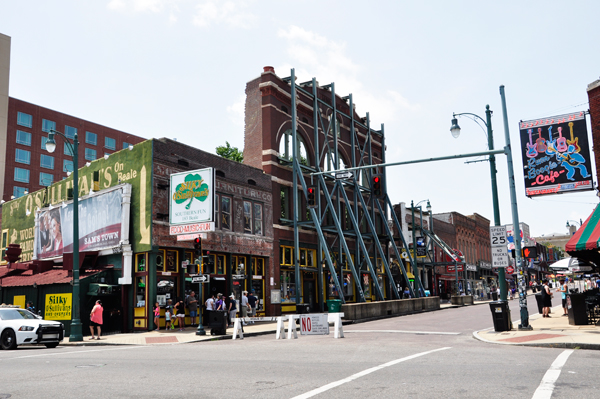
{"x": 191, "y": 198}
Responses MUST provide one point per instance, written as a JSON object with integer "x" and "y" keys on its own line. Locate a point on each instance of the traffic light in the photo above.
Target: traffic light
{"x": 530, "y": 252}
{"x": 311, "y": 194}
{"x": 376, "y": 185}
{"x": 198, "y": 247}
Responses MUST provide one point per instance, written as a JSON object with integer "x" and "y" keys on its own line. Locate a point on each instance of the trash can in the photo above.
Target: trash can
{"x": 334, "y": 305}
{"x": 576, "y": 309}
{"x": 303, "y": 308}
{"x": 217, "y": 321}
{"x": 495, "y": 296}
{"x": 540, "y": 304}
{"x": 501, "y": 315}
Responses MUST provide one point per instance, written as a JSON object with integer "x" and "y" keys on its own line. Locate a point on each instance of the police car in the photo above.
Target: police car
{"x": 21, "y": 327}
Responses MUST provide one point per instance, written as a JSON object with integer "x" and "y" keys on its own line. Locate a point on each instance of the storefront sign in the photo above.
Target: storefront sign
{"x": 192, "y": 228}
{"x": 192, "y": 197}
{"x": 556, "y": 155}
{"x": 485, "y": 265}
{"x": 58, "y": 306}
{"x": 450, "y": 268}
{"x": 471, "y": 268}
{"x": 314, "y": 324}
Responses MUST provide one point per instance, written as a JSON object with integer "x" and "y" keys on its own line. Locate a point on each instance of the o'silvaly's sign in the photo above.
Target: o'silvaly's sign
{"x": 556, "y": 155}
{"x": 192, "y": 197}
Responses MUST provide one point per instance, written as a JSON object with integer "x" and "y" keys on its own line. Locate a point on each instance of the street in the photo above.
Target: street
{"x": 428, "y": 355}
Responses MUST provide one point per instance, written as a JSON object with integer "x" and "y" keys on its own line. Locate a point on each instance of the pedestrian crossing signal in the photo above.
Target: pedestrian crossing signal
{"x": 311, "y": 196}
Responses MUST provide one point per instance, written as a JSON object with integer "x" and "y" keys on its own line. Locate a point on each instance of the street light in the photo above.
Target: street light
{"x": 76, "y": 333}
{"x": 571, "y": 227}
{"x": 455, "y": 130}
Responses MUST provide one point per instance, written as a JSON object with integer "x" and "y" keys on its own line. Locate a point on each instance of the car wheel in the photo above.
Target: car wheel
{"x": 8, "y": 340}
{"x": 52, "y": 345}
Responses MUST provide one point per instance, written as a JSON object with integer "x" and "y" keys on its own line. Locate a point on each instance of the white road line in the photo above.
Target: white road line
{"x": 353, "y": 377}
{"x": 544, "y": 391}
{"x": 69, "y": 353}
{"x": 402, "y": 332}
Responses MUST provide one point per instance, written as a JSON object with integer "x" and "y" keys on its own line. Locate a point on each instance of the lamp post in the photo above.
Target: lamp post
{"x": 76, "y": 334}
{"x": 572, "y": 227}
{"x": 455, "y": 130}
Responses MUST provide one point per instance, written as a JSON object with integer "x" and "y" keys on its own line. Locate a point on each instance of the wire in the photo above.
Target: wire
{"x": 562, "y": 109}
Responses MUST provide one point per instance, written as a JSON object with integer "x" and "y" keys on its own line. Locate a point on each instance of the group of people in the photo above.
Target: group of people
{"x": 247, "y": 308}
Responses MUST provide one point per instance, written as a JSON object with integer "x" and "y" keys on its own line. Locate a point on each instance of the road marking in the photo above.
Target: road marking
{"x": 353, "y": 377}
{"x": 69, "y": 353}
{"x": 402, "y": 332}
{"x": 544, "y": 391}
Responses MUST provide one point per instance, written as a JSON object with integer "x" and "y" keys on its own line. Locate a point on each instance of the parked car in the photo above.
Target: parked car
{"x": 21, "y": 327}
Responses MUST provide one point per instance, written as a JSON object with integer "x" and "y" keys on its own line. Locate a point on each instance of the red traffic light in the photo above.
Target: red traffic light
{"x": 376, "y": 179}
{"x": 197, "y": 241}
{"x": 310, "y": 194}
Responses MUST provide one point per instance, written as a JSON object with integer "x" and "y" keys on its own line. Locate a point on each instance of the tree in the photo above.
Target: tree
{"x": 229, "y": 152}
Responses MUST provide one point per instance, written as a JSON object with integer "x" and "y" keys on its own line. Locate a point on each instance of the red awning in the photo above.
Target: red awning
{"x": 588, "y": 235}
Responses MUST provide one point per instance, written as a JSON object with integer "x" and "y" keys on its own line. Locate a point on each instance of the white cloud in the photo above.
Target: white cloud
{"x": 155, "y": 6}
{"x": 230, "y": 13}
{"x": 236, "y": 111}
{"x": 314, "y": 55}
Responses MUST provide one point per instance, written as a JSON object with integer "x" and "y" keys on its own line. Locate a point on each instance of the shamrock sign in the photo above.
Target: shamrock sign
{"x": 193, "y": 187}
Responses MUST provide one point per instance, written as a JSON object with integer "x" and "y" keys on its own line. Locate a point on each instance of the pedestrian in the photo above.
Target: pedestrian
{"x": 546, "y": 299}
{"x": 168, "y": 314}
{"x": 245, "y": 306}
{"x": 253, "y": 302}
{"x": 563, "y": 289}
{"x": 232, "y": 309}
{"x": 406, "y": 293}
{"x": 96, "y": 318}
{"x": 192, "y": 305}
{"x": 30, "y": 307}
{"x": 180, "y": 313}
{"x": 156, "y": 315}
{"x": 210, "y": 302}
{"x": 220, "y": 305}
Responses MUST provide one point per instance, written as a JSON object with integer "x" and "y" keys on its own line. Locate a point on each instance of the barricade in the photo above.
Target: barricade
{"x": 335, "y": 318}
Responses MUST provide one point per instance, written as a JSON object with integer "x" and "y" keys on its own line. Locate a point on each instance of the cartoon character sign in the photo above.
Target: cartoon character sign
{"x": 558, "y": 161}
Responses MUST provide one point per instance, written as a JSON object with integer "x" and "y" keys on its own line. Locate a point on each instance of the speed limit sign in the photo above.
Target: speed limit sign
{"x": 498, "y": 236}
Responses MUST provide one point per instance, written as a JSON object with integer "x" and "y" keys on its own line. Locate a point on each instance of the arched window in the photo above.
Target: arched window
{"x": 333, "y": 128}
{"x": 286, "y": 150}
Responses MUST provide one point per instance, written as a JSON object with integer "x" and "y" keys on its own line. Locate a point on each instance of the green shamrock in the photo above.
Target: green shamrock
{"x": 193, "y": 186}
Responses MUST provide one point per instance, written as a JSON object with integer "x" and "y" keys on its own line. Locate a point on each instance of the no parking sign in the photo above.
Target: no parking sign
{"x": 314, "y": 324}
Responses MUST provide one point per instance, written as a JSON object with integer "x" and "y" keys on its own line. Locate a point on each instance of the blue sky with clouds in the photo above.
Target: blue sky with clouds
{"x": 178, "y": 69}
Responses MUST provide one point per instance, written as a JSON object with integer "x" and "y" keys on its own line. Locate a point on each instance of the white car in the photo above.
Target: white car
{"x": 21, "y": 327}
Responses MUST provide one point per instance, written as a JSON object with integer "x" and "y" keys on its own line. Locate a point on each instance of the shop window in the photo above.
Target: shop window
{"x": 24, "y": 119}
{"x": 165, "y": 290}
{"x": 70, "y": 132}
{"x": 192, "y": 268}
{"x": 221, "y": 269}
{"x": 225, "y": 213}
{"x": 366, "y": 285}
{"x": 258, "y": 286}
{"x": 348, "y": 285}
{"x": 140, "y": 263}
{"x": 140, "y": 283}
{"x": 258, "y": 266}
{"x": 302, "y": 257}
{"x": 23, "y": 138}
{"x": 258, "y": 219}
{"x": 247, "y": 217}
{"x": 288, "y": 287}
{"x": 171, "y": 262}
{"x": 332, "y": 291}
{"x": 160, "y": 261}
{"x": 286, "y": 255}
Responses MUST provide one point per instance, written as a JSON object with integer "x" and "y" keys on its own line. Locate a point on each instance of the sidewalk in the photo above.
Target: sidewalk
{"x": 170, "y": 337}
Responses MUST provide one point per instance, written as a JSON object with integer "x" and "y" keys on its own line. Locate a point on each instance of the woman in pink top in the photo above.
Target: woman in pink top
{"x": 96, "y": 318}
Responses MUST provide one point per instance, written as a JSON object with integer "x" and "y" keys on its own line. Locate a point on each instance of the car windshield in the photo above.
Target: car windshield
{"x": 15, "y": 314}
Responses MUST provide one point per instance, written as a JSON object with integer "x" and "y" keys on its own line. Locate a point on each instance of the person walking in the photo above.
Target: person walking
{"x": 192, "y": 305}
{"x": 180, "y": 314}
{"x": 96, "y": 319}
{"x": 156, "y": 316}
{"x": 245, "y": 307}
{"x": 546, "y": 299}
{"x": 210, "y": 302}
{"x": 563, "y": 289}
{"x": 232, "y": 308}
{"x": 253, "y": 302}
{"x": 168, "y": 315}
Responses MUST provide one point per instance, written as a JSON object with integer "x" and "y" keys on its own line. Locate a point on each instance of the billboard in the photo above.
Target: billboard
{"x": 191, "y": 197}
{"x": 556, "y": 155}
{"x": 99, "y": 225}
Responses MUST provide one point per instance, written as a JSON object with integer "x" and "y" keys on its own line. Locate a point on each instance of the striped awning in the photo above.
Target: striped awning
{"x": 588, "y": 235}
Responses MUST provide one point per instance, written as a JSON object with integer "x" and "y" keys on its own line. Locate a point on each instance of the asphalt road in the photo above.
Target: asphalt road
{"x": 429, "y": 355}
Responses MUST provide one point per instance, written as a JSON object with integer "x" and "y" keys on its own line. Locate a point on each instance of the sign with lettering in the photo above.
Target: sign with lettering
{"x": 314, "y": 324}
{"x": 192, "y": 228}
{"x": 192, "y": 196}
{"x": 556, "y": 155}
{"x": 58, "y": 306}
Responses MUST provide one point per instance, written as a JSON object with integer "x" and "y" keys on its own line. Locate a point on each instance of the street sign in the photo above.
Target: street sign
{"x": 530, "y": 252}
{"x": 343, "y": 175}
{"x": 500, "y": 256}
{"x": 510, "y": 270}
{"x": 202, "y": 278}
{"x": 498, "y": 236}
{"x": 238, "y": 276}
{"x": 314, "y": 324}
{"x": 450, "y": 268}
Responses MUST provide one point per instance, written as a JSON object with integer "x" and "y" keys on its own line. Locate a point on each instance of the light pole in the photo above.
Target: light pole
{"x": 455, "y": 130}
{"x": 76, "y": 333}
{"x": 572, "y": 227}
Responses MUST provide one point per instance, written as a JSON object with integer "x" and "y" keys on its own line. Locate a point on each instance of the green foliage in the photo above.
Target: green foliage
{"x": 229, "y": 152}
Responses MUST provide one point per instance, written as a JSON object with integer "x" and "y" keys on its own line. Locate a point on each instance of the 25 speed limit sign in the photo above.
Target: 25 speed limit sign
{"x": 498, "y": 236}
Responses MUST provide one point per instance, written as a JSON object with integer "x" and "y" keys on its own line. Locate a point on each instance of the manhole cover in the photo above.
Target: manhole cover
{"x": 87, "y": 366}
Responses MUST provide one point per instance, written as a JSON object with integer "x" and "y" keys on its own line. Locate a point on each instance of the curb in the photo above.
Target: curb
{"x": 558, "y": 345}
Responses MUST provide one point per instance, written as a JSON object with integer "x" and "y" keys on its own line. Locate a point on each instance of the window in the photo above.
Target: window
{"x": 109, "y": 143}
{"x": 288, "y": 287}
{"x": 286, "y": 150}
{"x": 216, "y": 211}
{"x": 44, "y": 140}
{"x": 283, "y": 201}
{"x": 4, "y": 243}
{"x": 19, "y": 191}
{"x": 23, "y": 156}
{"x": 67, "y": 166}
{"x": 90, "y": 154}
{"x": 68, "y": 150}
{"x": 46, "y": 179}
{"x": 125, "y": 145}
{"x": 24, "y": 119}
{"x": 48, "y": 125}
{"x": 91, "y": 138}
{"x": 258, "y": 221}
{"x": 226, "y": 213}
{"x": 70, "y": 132}
{"x": 46, "y": 161}
{"x": 22, "y": 175}
{"x": 23, "y": 137}
{"x": 247, "y": 217}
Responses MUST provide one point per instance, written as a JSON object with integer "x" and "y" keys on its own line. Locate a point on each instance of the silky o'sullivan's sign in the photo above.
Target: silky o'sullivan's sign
{"x": 192, "y": 197}
{"x": 58, "y": 306}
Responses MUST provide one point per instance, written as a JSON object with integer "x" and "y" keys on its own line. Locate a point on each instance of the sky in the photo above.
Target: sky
{"x": 178, "y": 69}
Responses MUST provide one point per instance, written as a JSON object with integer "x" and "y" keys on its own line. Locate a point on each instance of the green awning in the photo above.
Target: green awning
{"x": 588, "y": 235}
{"x": 97, "y": 289}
